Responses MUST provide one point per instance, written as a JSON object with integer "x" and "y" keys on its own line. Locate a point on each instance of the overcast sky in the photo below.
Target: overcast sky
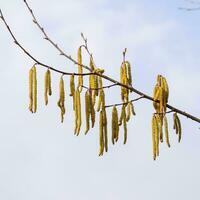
{"x": 41, "y": 159}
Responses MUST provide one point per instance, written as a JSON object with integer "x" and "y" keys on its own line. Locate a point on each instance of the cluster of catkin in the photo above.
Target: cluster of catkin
{"x": 94, "y": 100}
{"x": 159, "y": 119}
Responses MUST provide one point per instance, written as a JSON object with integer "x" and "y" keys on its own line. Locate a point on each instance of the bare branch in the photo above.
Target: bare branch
{"x": 142, "y": 95}
{"x": 121, "y": 104}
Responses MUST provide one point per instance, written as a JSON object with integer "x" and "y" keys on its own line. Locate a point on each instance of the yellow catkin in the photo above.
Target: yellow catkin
{"x": 125, "y": 127}
{"x": 157, "y": 132}
{"x": 101, "y": 138}
{"x": 166, "y": 131}
{"x": 31, "y": 90}
{"x": 92, "y": 110}
{"x": 75, "y": 112}
{"x": 166, "y": 88}
{"x": 132, "y": 108}
{"x": 87, "y": 111}
{"x": 92, "y": 67}
{"x": 128, "y": 116}
{"x": 156, "y": 97}
{"x": 122, "y": 80}
{"x": 154, "y": 137}
{"x": 128, "y": 65}
{"x": 34, "y": 89}
{"x": 79, "y": 121}
{"x": 72, "y": 89}
{"x": 72, "y": 85}
{"x": 115, "y": 126}
{"x": 46, "y": 87}
{"x": 179, "y": 128}
{"x": 80, "y": 68}
{"x": 105, "y": 134}
{"x": 61, "y": 101}
{"x": 160, "y": 126}
{"x": 175, "y": 123}
{"x": 49, "y": 82}
{"x": 122, "y": 115}
{"x": 100, "y": 101}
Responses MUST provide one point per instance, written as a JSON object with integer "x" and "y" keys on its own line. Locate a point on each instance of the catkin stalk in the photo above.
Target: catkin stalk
{"x": 80, "y": 69}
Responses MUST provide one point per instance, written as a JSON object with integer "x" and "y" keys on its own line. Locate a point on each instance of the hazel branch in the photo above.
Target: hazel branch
{"x": 104, "y": 87}
{"x": 86, "y": 67}
{"x": 121, "y": 104}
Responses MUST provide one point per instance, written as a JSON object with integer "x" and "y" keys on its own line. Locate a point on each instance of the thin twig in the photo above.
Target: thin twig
{"x": 104, "y": 87}
{"x": 121, "y": 104}
{"x": 189, "y": 9}
{"x": 37, "y": 62}
{"x": 98, "y": 74}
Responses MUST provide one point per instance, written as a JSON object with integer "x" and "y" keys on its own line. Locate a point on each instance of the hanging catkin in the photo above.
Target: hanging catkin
{"x": 129, "y": 75}
{"x": 125, "y": 127}
{"x": 79, "y": 120}
{"x": 92, "y": 110}
{"x": 101, "y": 138}
{"x": 166, "y": 131}
{"x": 80, "y": 69}
{"x": 115, "y": 125}
{"x": 47, "y": 86}
{"x": 72, "y": 89}
{"x": 61, "y": 101}
{"x": 31, "y": 90}
{"x": 177, "y": 126}
{"x": 154, "y": 136}
{"x": 105, "y": 130}
{"x": 87, "y": 111}
{"x": 49, "y": 81}
{"x": 34, "y": 89}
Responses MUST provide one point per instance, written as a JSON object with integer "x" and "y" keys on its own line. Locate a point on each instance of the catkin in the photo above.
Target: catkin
{"x": 87, "y": 111}
{"x": 129, "y": 73}
{"x": 72, "y": 85}
{"x": 92, "y": 110}
{"x": 105, "y": 130}
{"x": 46, "y": 87}
{"x": 175, "y": 122}
{"x": 179, "y": 128}
{"x": 115, "y": 126}
{"x": 132, "y": 108}
{"x": 61, "y": 101}
{"x": 75, "y": 112}
{"x": 80, "y": 69}
{"x": 125, "y": 127}
{"x": 34, "y": 89}
{"x": 154, "y": 128}
{"x": 49, "y": 82}
{"x": 79, "y": 120}
{"x": 101, "y": 138}
{"x": 31, "y": 90}
{"x": 157, "y": 132}
{"x": 166, "y": 131}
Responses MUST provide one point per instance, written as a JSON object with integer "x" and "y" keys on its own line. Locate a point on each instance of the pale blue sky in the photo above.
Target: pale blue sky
{"x": 41, "y": 159}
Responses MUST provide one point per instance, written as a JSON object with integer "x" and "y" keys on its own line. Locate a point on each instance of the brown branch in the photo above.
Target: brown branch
{"x": 120, "y": 104}
{"x": 37, "y": 62}
{"x": 104, "y": 87}
{"x": 46, "y": 37}
{"x": 189, "y": 9}
{"x": 99, "y": 74}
